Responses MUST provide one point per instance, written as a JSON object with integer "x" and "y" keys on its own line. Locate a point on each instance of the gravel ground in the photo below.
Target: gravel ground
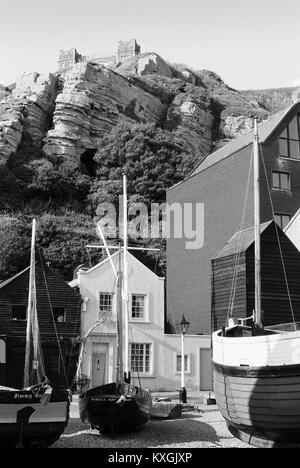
{"x": 204, "y": 429}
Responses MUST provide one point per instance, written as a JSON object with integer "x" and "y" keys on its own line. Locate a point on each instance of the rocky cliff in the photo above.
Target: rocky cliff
{"x": 26, "y": 113}
{"x": 66, "y": 116}
{"x": 273, "y": 100}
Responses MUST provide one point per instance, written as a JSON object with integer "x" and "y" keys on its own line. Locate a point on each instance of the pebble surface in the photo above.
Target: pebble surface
{"x": 195, "y": 429}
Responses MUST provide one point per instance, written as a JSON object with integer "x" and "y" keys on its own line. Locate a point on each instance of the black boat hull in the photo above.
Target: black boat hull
{"x": 105, "y": 408}
{"x": 261, "y": 406}
{"x": 32, "y": 420}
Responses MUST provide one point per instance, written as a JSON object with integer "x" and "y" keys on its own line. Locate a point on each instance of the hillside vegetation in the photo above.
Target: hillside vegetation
{"x": 66, "y": 140}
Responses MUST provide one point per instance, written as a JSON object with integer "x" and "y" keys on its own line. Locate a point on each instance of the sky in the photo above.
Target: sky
{"x": 251, "y": 44}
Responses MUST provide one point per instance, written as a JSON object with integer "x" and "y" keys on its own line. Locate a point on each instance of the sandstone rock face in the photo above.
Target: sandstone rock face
{"x": 234, "y": 112}
{"x": 37, "y": 93}
{"x": 94, "y": 99}
{"x": 296, "y": 95}
{"x": 4, "y": 91}
{"x": 28, "y": 109}
{"x": 11, "y": 129}
{"x": 235, "y": 126}
{"x": 192, "y": 122}
{"x": 146, "y": 64}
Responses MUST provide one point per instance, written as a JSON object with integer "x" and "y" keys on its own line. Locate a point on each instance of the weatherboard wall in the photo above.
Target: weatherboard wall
{"x": 222, "y": 187}
{"x": 276, "y": 305}
{"x": 58, "y": 294}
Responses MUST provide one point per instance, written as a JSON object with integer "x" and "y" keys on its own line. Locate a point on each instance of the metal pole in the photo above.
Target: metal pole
{"x": 182, "y": 393}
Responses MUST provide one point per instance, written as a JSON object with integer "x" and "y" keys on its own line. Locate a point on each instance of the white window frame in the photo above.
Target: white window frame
{"x": 144, "y": 319}
{"x": 151, "y": 359}
{"x": 186, "y": 372}
{"x": 112, "y": 315}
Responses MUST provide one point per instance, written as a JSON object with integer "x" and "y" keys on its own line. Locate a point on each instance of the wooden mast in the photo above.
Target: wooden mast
{"x": 120, "y": 370}
{"x": 125, "y": 268}
{"x": 29, "y": 308}
{"x": 258, "y": 308}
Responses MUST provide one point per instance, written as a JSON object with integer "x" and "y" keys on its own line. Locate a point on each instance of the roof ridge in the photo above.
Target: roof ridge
{"x": 282, "y": 113}
{"x": 9, "y": 280}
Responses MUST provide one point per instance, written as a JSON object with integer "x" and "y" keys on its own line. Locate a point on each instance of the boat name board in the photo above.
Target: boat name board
{"x": 104, "y": 399}
{"x": 23, "y": 397}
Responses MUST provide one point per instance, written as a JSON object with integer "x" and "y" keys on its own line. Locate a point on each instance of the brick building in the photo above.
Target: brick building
{"x": 223, "y": 182}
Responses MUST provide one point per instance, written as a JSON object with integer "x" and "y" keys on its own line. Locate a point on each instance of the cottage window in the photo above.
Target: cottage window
{"x": 105, "y": 304}
{"x": 19, "y": 312}
{"x": 59, "y": 314}
{"x": 282, "y": 219}
{"x": 281, "y": 180}
{"x": 178, "y": 363}
{"x": 138, "y": 306}
{"x": 140, "y": 357}
{"x": 289, "y": 140}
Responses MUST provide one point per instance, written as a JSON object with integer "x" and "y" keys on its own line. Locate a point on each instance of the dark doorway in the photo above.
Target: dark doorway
{"x": 88, "y": 162}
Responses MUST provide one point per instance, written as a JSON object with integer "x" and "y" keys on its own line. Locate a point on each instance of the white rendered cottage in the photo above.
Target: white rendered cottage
{"x": 154, "y": 357}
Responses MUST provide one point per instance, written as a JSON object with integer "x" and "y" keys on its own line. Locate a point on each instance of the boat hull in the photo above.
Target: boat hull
{"x": 32, "y": 420}
{"x": 261, "y": 405}
{"x": 102, "y": 408}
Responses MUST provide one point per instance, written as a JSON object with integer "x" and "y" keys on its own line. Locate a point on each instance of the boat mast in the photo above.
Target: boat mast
{"x": 258, "y": 308}
{"x": 29, "y": 308}
{"x": 120, "y": 370}
{"x": 125, "y": 267}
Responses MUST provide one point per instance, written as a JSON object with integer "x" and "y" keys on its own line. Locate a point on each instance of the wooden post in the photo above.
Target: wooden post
{"x": 125, "y": 269}
{"x": 29, "y": 309}
{"x": 258, "y": 308}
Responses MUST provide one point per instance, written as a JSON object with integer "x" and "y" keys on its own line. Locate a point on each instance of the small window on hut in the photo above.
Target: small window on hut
{"x": 282, "y": 219}
{"x": 19, "y": 312}
{"x": 59, "y": 314}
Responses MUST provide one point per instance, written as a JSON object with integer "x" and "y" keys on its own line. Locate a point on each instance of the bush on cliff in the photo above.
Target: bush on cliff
{"x": 150, "y": 158}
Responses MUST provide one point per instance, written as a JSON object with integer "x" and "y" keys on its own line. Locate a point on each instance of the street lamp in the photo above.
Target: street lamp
{"x": 184, "y": 325}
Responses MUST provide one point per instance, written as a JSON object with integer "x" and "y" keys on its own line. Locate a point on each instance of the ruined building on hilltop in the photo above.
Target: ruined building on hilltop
{"x": 126, "y": 50}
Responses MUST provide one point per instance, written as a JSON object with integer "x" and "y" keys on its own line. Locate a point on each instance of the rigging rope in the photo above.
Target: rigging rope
{"x": 54, "y": 324}
{"x": 238, "y": 255}
{"x": 279, "y": 243}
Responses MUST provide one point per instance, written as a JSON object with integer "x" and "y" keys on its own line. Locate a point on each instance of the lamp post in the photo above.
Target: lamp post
{"x": 184, "y": 325}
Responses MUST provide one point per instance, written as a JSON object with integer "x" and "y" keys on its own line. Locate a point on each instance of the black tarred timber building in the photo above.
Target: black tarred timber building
{"x": 280, "y": 273}
{"x": 220, "y": 182}
{"x": 59, "y": 308}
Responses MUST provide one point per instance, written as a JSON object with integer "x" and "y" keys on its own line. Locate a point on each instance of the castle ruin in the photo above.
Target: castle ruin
{"x": 126, "y": 51}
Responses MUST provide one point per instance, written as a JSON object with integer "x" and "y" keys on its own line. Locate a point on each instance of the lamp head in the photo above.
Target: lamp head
{"x": 184, "y": 325}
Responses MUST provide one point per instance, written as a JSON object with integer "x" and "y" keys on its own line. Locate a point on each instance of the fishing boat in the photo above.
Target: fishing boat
{"x": 37, "y": 414}
{"x": 118, "y": 406}
{"x": 257, "y": 368}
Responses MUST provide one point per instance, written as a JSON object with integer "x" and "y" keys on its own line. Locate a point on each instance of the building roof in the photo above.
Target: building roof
{"x": 241, "y": 241}
{"x": 265, "y": 130}
{"x": 294, "y": 219}
{"x": 149, "y": 262}
{"x": 10, "y": 280}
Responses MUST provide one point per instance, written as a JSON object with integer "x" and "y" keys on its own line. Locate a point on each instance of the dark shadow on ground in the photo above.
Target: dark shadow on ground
{"x": 156, "y": 433}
